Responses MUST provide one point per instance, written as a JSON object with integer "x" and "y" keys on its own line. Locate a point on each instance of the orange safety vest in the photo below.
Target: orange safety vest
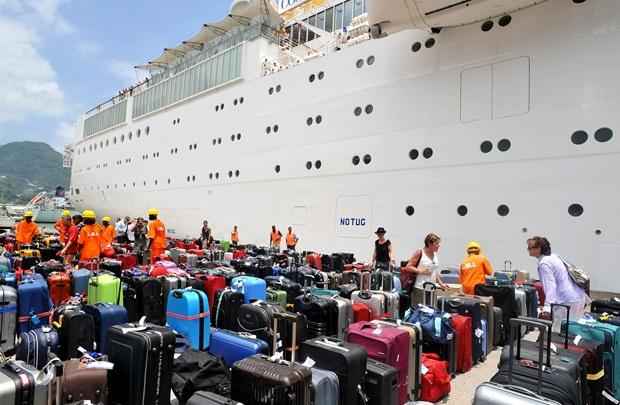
{"x": 89, "y": 241}
{"x": 107, "y": 236}
{"x": 234, "y": 236}
{"x": 24, "y": 232}
{"x": 157, "y": 232}
{"x": 291, "y": 239}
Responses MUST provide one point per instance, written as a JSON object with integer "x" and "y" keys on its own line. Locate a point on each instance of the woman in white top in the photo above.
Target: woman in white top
{"x": 424, "y": 263}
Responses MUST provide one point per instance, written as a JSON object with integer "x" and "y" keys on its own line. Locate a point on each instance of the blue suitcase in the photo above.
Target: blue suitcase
{"x": 36, "y": 345}
{"x": 326, "y": 387}
{"x": 8, "y": 279}
{"x": 252, "y": 288}
{"x": 34, "y": 304}
{"x": 105, "y": 316}
{"x": 79, "y": 281}
{"x": 188, "y": 314}
{"x": 234, "y": 346}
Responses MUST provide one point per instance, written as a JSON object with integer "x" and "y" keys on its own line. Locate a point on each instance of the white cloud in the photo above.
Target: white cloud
{"x": 65, "y": 134}
{"x": 125, "y": 72}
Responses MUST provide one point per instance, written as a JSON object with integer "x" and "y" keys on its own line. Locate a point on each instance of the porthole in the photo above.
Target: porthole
{"x": 155, "y": 182}
{"x": 427, "y": 153}
{"x": 598, "y": 232}
{"x": 308, "y": 165}
{"x": 237, "y": 173}
{"x": 138, "y": 132}
{"x": 232, "y": 137}
{"x": 114, "y": 140}
{"x": 230, "y": 173}
{"x": 357, "y": 111}
{"x": 129, "y": 136}
{"x": 214, "y": 141}
{"x": 221, "y": 108}
{"x": 176, "y": 150}
{"x": 486, "y": 147}
{"x": 277, "y": 168}
{"x": 355, "y": 160}
{"x": 238, "y": 137}
{"x": 430, "y": 43}
{"x": 219, "y": 141}
{"x": 579, "y": 137}
{"x": 359, "y": 63}
{"x": 169, "y": 181}
{"x": 276, "y": 128}
{"x": 416, "y": 47}
{"x": 367, "y": 159}
{"x": 462, "y": 210}
{"x": 505, "y": 20}
{"x": 217, "y": 108}
{"x": 235, "y": 102}
{"x": 134, "y": 184}
{"x": 575, "y": 210}
{"x": 188, "y": 178}
{"x": 309, "y": 121}
{"x": 144, "y": 183}
{"x": 278, "y": 88}
{"x": 217, "y": 175}
{"x": 147, "y": 130}
{"x": 369, "y": 109}
{"x": 414, "y": 154}
{"x": 321, "y": 75}
{"x": 270, "y": 91}
{"x": 174, "y": 122}
{"x": 503, "y": 210}
{"x": 318, "y": 119}
{"x": 579, "y": 1}
{"x": 138, "y": 135}
{"x": 122, "y": 138}
{"x": 195, "y": 147}
{"x": 409, "y": 210}
{"x": 504, "y": 145}
{"x": 312, "y": 78}
{"x": 603, "y": 134}
{"x": 95, "y": 147}
{"x": 101, "y": 144}
{"x": 107, "y": 142}
{"x": 190, "y": 147}
{"x": 318, "y": 164}
{"x": 210, "y": 176}
{"x": 370, "y": 60}
{"x": 487, "y": 26}
{"x": 241, "y": 100}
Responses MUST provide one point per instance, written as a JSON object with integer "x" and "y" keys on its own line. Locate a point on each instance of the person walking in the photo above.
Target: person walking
{"x": 291, "y": 239}
{"x": 382, "y": 256}
{"x": 156, "y": 235}
{"x": 424, "y": 266}
{"x": 70, "y": 250}
{"x": 474, "y": 268}
{"x": 205, "y": 235}
{"x": 121, "y": 230}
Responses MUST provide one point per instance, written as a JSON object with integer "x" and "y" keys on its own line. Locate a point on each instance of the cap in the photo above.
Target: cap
{"x": 380, "y": 230}
{"x": 89, "y": 214}
{"x": 473, "y": 245}
{"x": 28, "y": 214}
{"x": 106, "y": 219}
{"x": 153, "y": 211}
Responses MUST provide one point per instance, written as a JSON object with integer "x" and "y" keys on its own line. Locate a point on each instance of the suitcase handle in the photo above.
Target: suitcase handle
{"x": 508, "y": 265}
{"x": 567, "y": 320}
{"x": 544, "y": 328}
{"x": 285, "y": 316}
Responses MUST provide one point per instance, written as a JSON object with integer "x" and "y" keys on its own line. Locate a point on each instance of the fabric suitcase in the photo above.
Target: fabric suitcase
{"x": 209, "y": 398}
{"x": 21, "y": 384}
{"x": 76, "y": 329}
{"x": 463, "y": 331}
{"x": 388, "y": 345}
{"x": 188, "y": 314}
{"x": 326, "y": 386}
{"x": 227, "y": 305}
{"x": 381, "y": 384}
{"x": 46, "y": 268}
{"x": 346, "y": 290}
{"x": 79, "y": 281}
{"x": 469, "y": 307}
{"x": 234, "y": 346}
{"x": 347, "y": 360}
{"x": 8, "y": 318}
{"x": 504, "y": 298}
{"x": 105, "y": 288}
{"x": 489, "y": 393}
{"x": 36, "y": 345}
{"x": 83, "y": 384}
{"x": 33, "y": 302}
{"x": 105, "y": 316}
{"x": 252, "y": 288}
{"x": 142, "y": 357}
{"x": 610, "y": 306}
{"x": 59, "y": 285}
{"x": 195, "y": 371}
{"x": 436, "y": 380}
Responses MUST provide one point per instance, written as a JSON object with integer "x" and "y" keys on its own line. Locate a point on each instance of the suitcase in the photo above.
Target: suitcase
{"x": 610, "y": 306}
{"x": 559, "y": 382}
{"x": 292, "y": 288}
{"x": 47, "y": 268}
{"x": 382, "y": 281}
{"x": 76, "y": 329}
{"x": 8, "y": 318}
{"x": 451, "y": 275}
{"x": 8, "y": 279}
{"x": 485, "y": 339}
{"x": 276, "y": 297}
{"x": 392, "y": 302}
{"x": 142, "y": 357}
{"x": 81, "y": 383}
{"x": 326, "y": 386}
{"x": 227, "y": 305}
{"x": 113, "y": 266}
{"x": 489, "y": 393}
{"x": 59, "y": 285}
{"x": 361, "y": 312}
{"x": 209, "y": 398}
{"x": 188, "y": 313}
{"x": 79, "y": 281}
{"x": 346, "y": 290}
{"x": 195, "y": 371}
{"x": 22, "y": 384}
{"x": 252, "y": 288}
{"x": 499, "y": 332}
{"x": 521, "y": 298}
{"x": 35, "y": 346}
{"x": 234, "y": 346}
{"x": 375, "y": 301}
{"x": 487, "y": 314}
{"x": 105, "y": 316}
{"x": 531, "y": 301}
{"x": 347, "y": 360}
{"x": 504, "y": 298}
{"x": 170, "y": 283}
{"x": 469, "y": 307}
{"x": 388, "y": 345}
{"x": 257, "y": 318}
{"x": 105, "y": 288}
{"x": 345, "y": 315}
{"x": 150, "y": 300}
{"x": 321, "y": 313}
{"x": 463, "y": 331}
{"x": 427, "y": 295}
{"x": 381, "y": 384}
{"x": 34, "y": 304}
{"x": 29, "y": 258}
{"x": 128, "y": 261}
{"x": 213, "y": 284}
{"x": 260, "y": 380}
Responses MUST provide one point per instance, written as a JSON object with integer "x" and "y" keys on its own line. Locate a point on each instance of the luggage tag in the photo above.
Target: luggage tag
{"x": 577, "y": 340}
{"x": 309, "y": 362}
{"x": 423, "y": 369}
{"x": 479, "y": 332}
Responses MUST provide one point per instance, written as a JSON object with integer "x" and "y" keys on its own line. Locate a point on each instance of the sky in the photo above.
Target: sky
{"x": 59, "y": 58}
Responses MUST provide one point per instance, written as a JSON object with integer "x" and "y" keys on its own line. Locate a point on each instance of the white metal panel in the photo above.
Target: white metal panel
{"x": 476, "y": 89}
{"x": 511, "y": 87}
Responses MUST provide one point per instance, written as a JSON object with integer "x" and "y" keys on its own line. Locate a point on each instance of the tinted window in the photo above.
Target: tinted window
{"x": 329, "y": 19}
{"x": 311, "y": 21}
{"x": 348, "y": 12}
{"x": 358, "y": 7}
{"x": 338, "y": 16}
{"x": 320, "y": 20}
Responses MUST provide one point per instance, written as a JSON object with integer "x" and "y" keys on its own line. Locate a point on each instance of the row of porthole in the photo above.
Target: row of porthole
{"x": 219, "y": 107}
{"x": 488, "y": 25}
{"x": 574, "y": 210}
{"x": 93, "y": 146}
{"x": 317, "y": 165}
{"x": 216, "y": 175}
{"x": 275, "y": 128}
{"x": 503, "y": 146}
{"x": 369, "y": 61}
{"x": 318, "y": 119}
{"x": 277, "y": 89}
{"x": 601, "y": 135}
{"x": 366, "y": 159}
{"x": 313, "y": 77}
{"x": 358, "y": 110}
{"x": 176, "y": 121}
{"x": 427, "y": 153}
{"x": 234, "y": 137}
{"x": 193, "y": 146}
{"x": 429, "y": 43}
{"x": 240, "y": 100}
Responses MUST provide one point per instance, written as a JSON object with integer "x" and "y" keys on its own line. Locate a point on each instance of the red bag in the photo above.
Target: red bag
{"x": 462, "y": 327}
{"x": 165, "y": 268}
{"x": 108, "y": 251}
{"x": 180, "y": 244}
{"x": 192, "y": 246}
{"x": 436, "y": 379}
{"x": 197, "y": 252}
{"x": 239, "y": 254}
{"x": 214, "y": 284}
{"x": 128, "y": 261}
{"x": 59, "y": 287}
{"x": 88, "y": 265}
{"x": 314, "y": 261}
{"x": 361, "y": 312}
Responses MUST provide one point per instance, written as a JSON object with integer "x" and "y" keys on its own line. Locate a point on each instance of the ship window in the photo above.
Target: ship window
{"x": 338, "y": 16}
{"x": 503, "y": 210}
{"x": 357, "y": 111}
{"x": 414, "y": 154}
{"x": 237, "y": 173}
{"x": 503, "y": 145}
{"x": 359, "y": 63}
{"x": 235, "y": 102}
{"x": 462, "y": 210}
{"x": 356, "y": 160}
{"x": 270, "y": 90}
{"x": 329, "y": 19}
{"x": 276, "y": 128}
{"x": 303, "y": 33}
{"x": 318, "y": 119}
{"x": 311, "y": 21}
{"x": 268, "y": 130}
{"x": 427, "y": 153}
{"x": 217, "y": 175}
{"x": 309, "y": 121}
{"x": 416, "y": 47}
{"x": 603, "y": 134}
{"x": 369, "y": 109}
{"x": 318, "y": 164}
{"x": 579, "y": 137}
{"x": 219, "y": 141}
{"x": 241, "y": 100}
{"x": 348, "y": 13}
{"x": 311, "y": 78}
{"x": 188, "y": 179}
{"x": 210, "y": 176}
{"x": 193, "y": 178}
{"x": 155, "y": 182}
{"x": 129, "y": 136}
{"x": 579, "y": 1}
{"x": 505, "y": 20}
{"x": 238, "y": 137}
{"x": 598, "y": 232}
{"x": 321, "y": 75}
{"x": 367, "y": 159}
{"x": 358, "y": 7}
{"x": 575, "y": 210}
{"x": 409, "y": 210}
{"x": 430, "y": 43}
{"x": 277, "y": 168}
{"x": 195, "y": 147}
{"x": 230, "y": 173}
{"x": 217, "y": 108}
{"x": 138, "y": 132}
{"x": 190, "y": 147}
{"x": 370, "y": 60}
{"x": 147, "y": 130}
{"x": 278, "y": 88}
{"x": 232, "y": 137}
{"x": 486, "y": 26}
{"x": 107, "y": 142}
{"x": 169, "y": 181}
{"x": 486, "y": 147}
{"x": 308, "y": 165}
{"x": 144, "y": 182}
{"x": 320, "y": 20}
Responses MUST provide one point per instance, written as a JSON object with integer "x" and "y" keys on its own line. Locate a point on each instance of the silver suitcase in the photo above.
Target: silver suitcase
{"x": 375, "y": 301}
{"x": 521, "y": 298}
{"x": 345, "y": 315}
{"x": 8, "y": 317}
{"x": 392, "y": 303}
{"x": 30, "y": 383}
{"x": 489, "y": 393}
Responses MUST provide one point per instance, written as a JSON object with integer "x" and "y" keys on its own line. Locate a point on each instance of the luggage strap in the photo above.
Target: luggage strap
{"x": 182, "y": 317}
{"x": 41, "y": 315}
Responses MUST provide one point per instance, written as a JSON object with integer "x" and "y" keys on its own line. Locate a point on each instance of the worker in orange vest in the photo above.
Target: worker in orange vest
{"x": 89, "y": 239}
{"x": 275, "y": 238}
{"x": 108, "y": 233}
{"x": 26, "y": 230}
{"x": 291, "y": 239}
{"x": 156, "y": 235}
{"x": 234, "y": 236}
{"x": 62, "y": 226}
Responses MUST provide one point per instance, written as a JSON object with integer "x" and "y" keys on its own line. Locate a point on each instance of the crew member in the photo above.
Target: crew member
{"x": 156, "y": 235}
{"x": 291, "y": 239}
{"x": 275, "y": 238}
{"x": 71, "y": 247}
{"x": 89, "y": 239}
{"x": 62, "y": 226}
{"x": 108, "y": 233}
{"x": 234, "y": 236}
{"x": 474, "y": 268}
{"x": 26, "y": 230}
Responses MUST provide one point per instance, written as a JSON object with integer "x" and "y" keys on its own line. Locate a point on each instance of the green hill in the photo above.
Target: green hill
{"x": 27, "y": 168}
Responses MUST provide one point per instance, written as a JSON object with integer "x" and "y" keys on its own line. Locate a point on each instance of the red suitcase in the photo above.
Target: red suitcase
{"x": 197, "y": 252}
{"x": 314, "y": 261}
{"x": 59, "y": 287}
{"x": 91, "y": 265}
{"x": 213, "y": 285}
{"x": 180, "y": 244}
{"x": 462, "y": 327}
{"x": 436, "y": 380}
{"x": 387, "y": 345}
{"x": 361, "y": 312}
{"x": 239, "y": 254}
{"x": 128, "y": 261}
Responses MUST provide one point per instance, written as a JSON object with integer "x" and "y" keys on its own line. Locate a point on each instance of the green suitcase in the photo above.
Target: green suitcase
{"x": 225, "y": 245}
{"x": 276, "y": 297}
{"x": 105, "y": 288}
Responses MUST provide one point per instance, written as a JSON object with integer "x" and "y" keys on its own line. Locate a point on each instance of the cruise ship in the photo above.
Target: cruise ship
{"x": 487, "y": 120}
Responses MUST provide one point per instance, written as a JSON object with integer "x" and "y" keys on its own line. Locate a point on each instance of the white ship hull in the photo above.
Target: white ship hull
{"x": 552, "y": 71}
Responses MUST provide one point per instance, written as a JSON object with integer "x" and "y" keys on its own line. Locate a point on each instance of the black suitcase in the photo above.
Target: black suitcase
{"x": 76, "y": 329}
{"x": 209, "y": 398}
{"x": 292, "y": 288}
{"x": 326, "y": 263}
{"x": 347, "y": 360}
{"x": 381, "y": 387}
{"x": 337, "y": 263}
{"x": 347, "y": 289}
{"x": 321, "y": 312}
{"x": 499, "y": 333}
{"x": 559, "y": 382}
{"x": 132, "y": 297}
{"x": 113, "y": 266}
{"x": 471, "y": 308}
{"x": 404, "y": 303}
{"x": 151, "y": 298}
{"x": 47, "y": 268}
{"x": 531, "y": 299}
{"x": 382, "y": 281}
{"x": 197, "y": 370}
{"x": 504, "y": 298}
{"x": 610, "y": 306}
{"x": 142, "y": 357}
{"x": 227, "y": 305}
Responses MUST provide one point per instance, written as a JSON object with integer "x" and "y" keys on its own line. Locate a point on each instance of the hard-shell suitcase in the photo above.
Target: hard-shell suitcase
{"x": 321, "y": 312}
{"x": 504, "y": 298}
{"x": 382, "y": 384}
{"x": 188, "y": 314}
{"x": 347, "y": 360}
{"x": 276, "y": 297}
{"x": 292, "y": 288}
{"x": 326, "y": 386}
{"x": 345, "y": 315}
{"x": 361, "y": 312}
{"x": 76, "y": 329}
{"x": 382, "y": 281}
{"x": 151, "y": 301}
{"x": 485, "y": 338}
{"x": 374, "y": 300}
{"x": 234, "y": 346}
{"x": 36, "y": 345}
{"x": 8, "y": 318}
{"x": 487, "y": 313}
{"x": 128, "y": 261}
{"x": 113, "y": 266}
{"x": 209, "y": 398}
{"x": 81, "y": 383}
{"x": 33, "y": 302}
{"x": 105, "y": 316}
{"x": 8, "y": 279}
{"x": 105, "y": 288}
{"x": 521, "y": 299}
{"x": 489, "y": 393}
{"x": 469, "y": 307}
{"x": 388, "y": 345}
{"x": 252, "y": 288}
{"x": 21, "y": 384}
{"x": 142, "y": 357}
{"x": 346, "y": 290}
{"x": 463, "y": 331}
{"x": 59, "y": 285}
{"x": 227, "y": 305}
{"x": 499, "y": 333}
{"x": 79, "y": 281}
{"x": 257, "y": 318}
{"x": 392, "y": 303}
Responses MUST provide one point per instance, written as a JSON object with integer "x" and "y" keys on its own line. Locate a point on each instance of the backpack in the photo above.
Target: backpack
{"x": 578, "y": 276}
{"x": 199, "y": 371}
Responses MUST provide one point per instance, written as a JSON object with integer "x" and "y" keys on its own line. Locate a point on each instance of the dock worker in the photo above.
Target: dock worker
{"x": 62, "y": 226}
{"x": 275, "y": 238}
{"x": 71, "y": 247}
{"x": 108, "y": 232}
{"x": 89, "y": 239}
{"x": 291, "y": 239}
{"x": 234, "y": 236}
{"x": 474, "y": 268}
{"x": 156, "y": 234}
{"x": 26, "y": 230}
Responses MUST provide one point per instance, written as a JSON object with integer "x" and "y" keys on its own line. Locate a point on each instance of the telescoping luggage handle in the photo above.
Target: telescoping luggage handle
{"x": 544, "y": 328}
{"x": 285, "y": 316}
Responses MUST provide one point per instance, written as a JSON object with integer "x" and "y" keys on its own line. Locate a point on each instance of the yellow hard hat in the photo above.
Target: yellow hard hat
{"x": 106, "y": 219}
{"x": 66, "y": 213}
{"x": 473, "y": 246}
{"x": 89, "y": 214}
{"x": 153, "y": 211}
{"x": 28, "y": 214}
